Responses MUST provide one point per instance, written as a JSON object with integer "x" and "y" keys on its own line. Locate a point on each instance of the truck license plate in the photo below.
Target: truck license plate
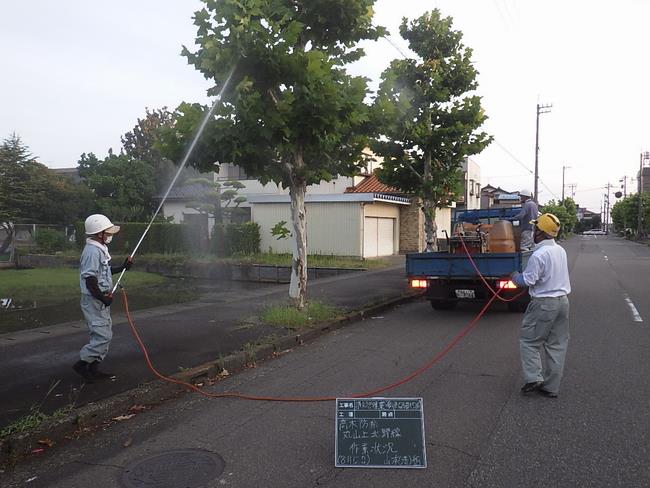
{"x": 465, "y": 294}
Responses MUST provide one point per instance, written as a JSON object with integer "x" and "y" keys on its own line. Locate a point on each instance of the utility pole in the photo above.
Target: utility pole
{"x": 624, "y": 185}
{"x": 639, "y": 226}
{"x": 563, "y": 170}
{"x": 609, "y": 185}
{"x": 541, "y": 109}
{"x": 573, "y": 186}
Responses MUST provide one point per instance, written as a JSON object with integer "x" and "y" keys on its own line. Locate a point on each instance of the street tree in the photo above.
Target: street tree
{"x": 427, "y": 116}
{"x": 16, "y": 169}
{"x": 142, "y": 143}
{"x": 291, "y": 114}
{"x": 123, "y": 187}
{"x": 625, "y": 213}
{"x": 30, "y": 192}
{"x": 566, "y": 211}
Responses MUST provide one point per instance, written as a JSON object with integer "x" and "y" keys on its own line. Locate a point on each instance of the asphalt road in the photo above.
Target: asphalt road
{"x": 480, "y": 431}
{"x": 36, "y": 364}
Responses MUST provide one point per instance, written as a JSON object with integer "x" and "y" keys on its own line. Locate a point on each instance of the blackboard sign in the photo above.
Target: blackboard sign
{"x": 380, "y": 433}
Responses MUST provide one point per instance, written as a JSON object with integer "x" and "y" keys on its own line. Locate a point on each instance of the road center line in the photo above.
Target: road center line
{"x": 635, "y": 312}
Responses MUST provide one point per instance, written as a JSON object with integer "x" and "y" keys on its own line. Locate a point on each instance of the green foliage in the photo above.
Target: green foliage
{"x": 280, "y": 231}
{"x": 290, "y": 101}
{"x": 427, "y": 119}
{"x": 242, "y": 239}
{"x": 32, "y": 193}
{"x": 566, "y": 211}
{"x": 59, "y": 283}
{"x": 50, "y": 240}
{"x": 162, "y": 238}
{"x": 289, "y": 317}
{"x": 214, "y": 201}
{"x": 625, "y": 213}
{"x": 32, "y": 420}
{"x": 123, "y": 187}
{"x": 424, "y": 109}
{"x": 291, "y": 114}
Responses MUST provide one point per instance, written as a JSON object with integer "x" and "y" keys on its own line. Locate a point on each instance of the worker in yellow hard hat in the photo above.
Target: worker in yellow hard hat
{"x": 544, "y": 334}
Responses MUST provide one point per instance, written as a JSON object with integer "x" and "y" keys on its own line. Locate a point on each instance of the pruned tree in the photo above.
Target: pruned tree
{"x": 215, "y": 201}
{"x": 142, "y": 143}
{"x": 292, "y": 114}
{"x": 427, "y": 116}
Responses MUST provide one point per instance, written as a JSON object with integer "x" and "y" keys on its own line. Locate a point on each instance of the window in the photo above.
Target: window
{"x": 232, "y": 172}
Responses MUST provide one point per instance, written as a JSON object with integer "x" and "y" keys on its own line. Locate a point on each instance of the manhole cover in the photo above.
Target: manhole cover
{"x": 185, "y": 468}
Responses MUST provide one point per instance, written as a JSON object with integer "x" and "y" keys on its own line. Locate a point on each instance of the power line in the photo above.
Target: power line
{"x": 497, "y": 142}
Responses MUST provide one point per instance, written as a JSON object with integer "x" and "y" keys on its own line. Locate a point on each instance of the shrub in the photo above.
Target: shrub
{"x": 49, "y": 241}
{"x": 242, "y": 239}
{"x": 163, "y": 238}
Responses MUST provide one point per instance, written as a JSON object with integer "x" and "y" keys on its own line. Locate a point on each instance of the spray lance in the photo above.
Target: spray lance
{"x": 189, "y": 152}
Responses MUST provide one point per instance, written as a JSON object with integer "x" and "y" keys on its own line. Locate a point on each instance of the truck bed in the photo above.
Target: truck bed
{"x": 445, "y": 265}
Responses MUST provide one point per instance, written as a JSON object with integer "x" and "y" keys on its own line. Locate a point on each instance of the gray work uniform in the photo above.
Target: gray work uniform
{"x": 528, "y": 212}
{"x": 94, "y": 262}
{"x": 544, "y": 334}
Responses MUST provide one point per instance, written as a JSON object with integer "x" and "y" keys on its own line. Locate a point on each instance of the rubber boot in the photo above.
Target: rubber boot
{"x": 82, "y": 368}
{"x": 98, "y": 375}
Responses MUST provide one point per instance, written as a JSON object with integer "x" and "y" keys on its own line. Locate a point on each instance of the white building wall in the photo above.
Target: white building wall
{"x": 332, "y": 228}
{"x": 472, "y": 183}
{"x": 443, "y": 221}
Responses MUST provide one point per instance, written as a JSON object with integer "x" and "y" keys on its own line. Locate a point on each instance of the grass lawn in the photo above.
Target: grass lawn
{"x": 35, "y": 284}
{"x": 287, "y": 316}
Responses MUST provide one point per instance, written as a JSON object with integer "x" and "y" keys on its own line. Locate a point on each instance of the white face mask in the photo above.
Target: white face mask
{"x": 108, "y": 239}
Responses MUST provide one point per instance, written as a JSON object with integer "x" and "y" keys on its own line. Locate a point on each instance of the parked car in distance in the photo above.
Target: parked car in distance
{"x": 594, "y": 232}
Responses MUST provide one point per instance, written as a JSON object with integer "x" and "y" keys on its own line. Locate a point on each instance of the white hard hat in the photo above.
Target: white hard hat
{"x": 526, "y": 193}
{"x": 97, "y": 223}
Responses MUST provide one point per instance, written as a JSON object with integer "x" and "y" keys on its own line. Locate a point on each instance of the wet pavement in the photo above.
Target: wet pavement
{"x": 37, "y": 362}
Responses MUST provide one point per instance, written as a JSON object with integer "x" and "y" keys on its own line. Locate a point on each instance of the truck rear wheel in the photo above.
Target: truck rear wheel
{"x": 443, "y": 304}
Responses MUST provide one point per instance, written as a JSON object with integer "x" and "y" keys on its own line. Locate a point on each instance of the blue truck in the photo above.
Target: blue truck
{"x": 448, "y": 277}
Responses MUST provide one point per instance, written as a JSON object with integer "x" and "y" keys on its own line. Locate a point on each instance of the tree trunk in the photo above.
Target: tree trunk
{"x": 430, "y": 227}
{"x": 429, "y": 207}
{"x": 298, "y": 285}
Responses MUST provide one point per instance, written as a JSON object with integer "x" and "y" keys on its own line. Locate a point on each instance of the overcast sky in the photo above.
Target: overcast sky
{"x": 77, "y": 74}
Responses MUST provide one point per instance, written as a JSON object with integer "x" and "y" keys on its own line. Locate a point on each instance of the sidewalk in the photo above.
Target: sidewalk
{"x": 177, "y": 337}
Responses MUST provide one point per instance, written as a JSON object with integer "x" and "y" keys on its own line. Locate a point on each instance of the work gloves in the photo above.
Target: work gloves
{"x": 93, "y": 287}
{"x": 126, "y": 265}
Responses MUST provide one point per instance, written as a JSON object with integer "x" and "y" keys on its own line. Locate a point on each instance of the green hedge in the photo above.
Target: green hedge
{"x": 49, "y": 241}
{"x": 162, "y": 238}
{"x": 242, "y": 239}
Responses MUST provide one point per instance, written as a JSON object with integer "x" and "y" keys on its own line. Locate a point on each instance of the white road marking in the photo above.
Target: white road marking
{"x": 606, "y": 258}
{"x": 635, "y": 312}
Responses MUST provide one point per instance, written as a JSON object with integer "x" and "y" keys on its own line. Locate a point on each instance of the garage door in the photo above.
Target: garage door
{"x": 378, "y": 237}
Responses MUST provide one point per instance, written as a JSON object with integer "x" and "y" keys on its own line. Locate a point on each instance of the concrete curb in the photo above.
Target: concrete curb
{"x": 17, "y": 446}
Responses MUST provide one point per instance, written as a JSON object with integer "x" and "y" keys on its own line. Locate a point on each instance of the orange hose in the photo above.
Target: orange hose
{"x": 495, "y": 294}
{"x": 243, "y": 396}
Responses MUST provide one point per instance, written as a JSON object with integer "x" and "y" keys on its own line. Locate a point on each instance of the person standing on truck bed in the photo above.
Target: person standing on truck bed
{"x": 528, "y": 213}
{"x": 545, "y": 327}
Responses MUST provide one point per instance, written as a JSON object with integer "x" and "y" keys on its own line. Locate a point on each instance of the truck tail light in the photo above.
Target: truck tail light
{"x": 418, "y": 283}
{"x": 506, "y": 285}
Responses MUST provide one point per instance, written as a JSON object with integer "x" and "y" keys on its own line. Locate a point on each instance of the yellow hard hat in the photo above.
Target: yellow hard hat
{"x": 548, "y": 223}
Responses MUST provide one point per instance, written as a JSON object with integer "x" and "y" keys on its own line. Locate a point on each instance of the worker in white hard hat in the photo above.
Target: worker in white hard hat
{"x": 528, "y": 213}
{"x": 96, "y": 282}
{"x": 544, "y": 336}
